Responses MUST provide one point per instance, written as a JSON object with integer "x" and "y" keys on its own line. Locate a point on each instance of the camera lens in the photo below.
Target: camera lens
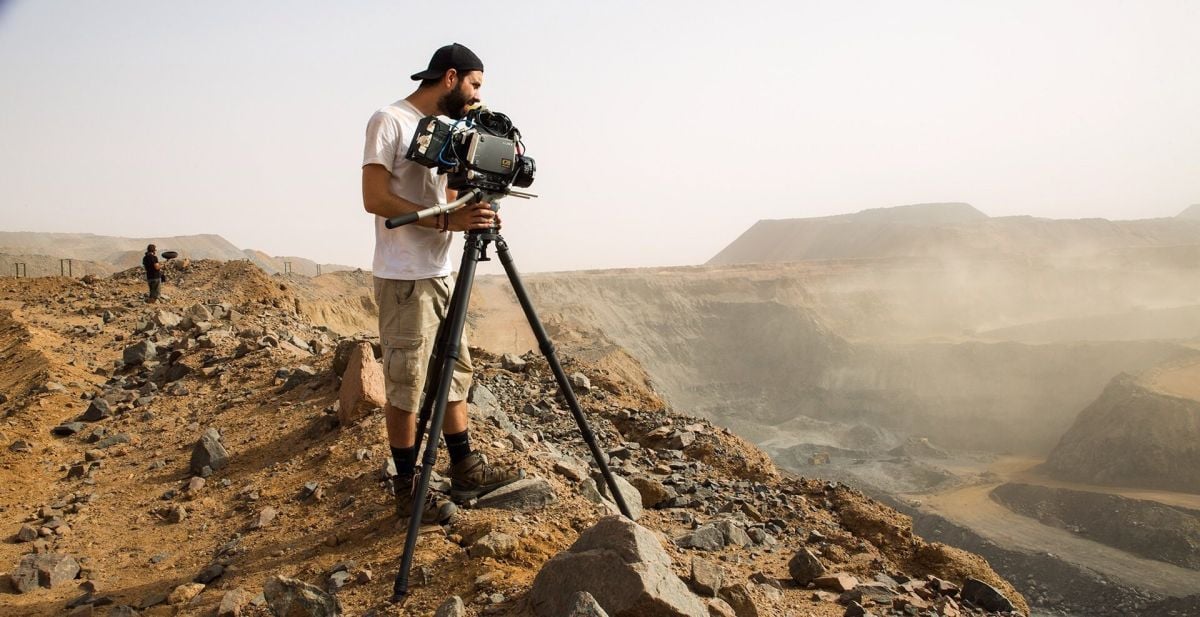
{"x": 525, "y": 171}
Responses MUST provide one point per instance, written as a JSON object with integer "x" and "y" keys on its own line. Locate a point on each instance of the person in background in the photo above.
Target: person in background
{"x": 153, "y": 273}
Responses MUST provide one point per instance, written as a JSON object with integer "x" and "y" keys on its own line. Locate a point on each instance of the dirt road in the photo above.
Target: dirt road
{"x": 972, "y": 507}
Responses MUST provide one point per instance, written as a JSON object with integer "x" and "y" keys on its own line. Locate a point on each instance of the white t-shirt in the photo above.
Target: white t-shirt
{"x": 410, "y": 252}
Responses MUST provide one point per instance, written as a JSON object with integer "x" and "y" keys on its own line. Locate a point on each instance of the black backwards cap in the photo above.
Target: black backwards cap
{"x": 453, "y": 56}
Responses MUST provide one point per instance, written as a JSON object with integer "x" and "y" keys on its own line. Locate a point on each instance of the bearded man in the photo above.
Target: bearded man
{"x": 412, "y": 279}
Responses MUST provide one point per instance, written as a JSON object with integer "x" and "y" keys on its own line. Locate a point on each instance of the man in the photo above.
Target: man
{"x": 412, "y": 278}
{"x": 153, "y": 273}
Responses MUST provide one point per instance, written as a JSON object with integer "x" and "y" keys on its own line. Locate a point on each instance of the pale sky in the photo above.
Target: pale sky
{"x": 661, "y": 130}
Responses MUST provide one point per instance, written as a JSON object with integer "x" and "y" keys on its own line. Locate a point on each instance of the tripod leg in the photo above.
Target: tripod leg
{"x": 564, "y": 384}
{"x": 453, "y": 324}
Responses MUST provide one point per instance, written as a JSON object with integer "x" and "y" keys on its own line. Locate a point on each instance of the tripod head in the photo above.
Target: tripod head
{"x": 470, "y": 197}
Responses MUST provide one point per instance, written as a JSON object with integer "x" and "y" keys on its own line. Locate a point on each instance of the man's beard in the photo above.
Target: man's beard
{"x": 453, "y": 103}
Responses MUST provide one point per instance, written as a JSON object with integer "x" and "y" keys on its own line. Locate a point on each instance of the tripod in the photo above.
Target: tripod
{"x": 446, "y": 350}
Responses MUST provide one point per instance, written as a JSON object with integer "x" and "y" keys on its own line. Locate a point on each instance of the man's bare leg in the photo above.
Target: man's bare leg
{"x": 402, "y": 424}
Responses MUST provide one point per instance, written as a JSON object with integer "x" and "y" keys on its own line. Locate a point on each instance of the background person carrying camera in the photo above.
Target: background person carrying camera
{"x": 412, "y": 278}
{"x": 154, "y": 276}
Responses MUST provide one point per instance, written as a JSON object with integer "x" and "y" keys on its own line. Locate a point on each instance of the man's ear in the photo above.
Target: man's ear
{"x": 450, "y": 78}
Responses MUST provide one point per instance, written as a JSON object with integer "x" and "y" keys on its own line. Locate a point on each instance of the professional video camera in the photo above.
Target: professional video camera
{"x": 483, "y": 151}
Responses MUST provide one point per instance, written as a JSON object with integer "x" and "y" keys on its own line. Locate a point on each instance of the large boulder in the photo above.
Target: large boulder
{"x": 623, "y": 566}
{"x": 362, "y": 385}
{"x": 341, "y": 355}
{"x": 44, "y": 570}
{"x": 288, "y": 597}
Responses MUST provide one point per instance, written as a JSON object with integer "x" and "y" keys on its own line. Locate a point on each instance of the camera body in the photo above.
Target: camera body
{"x": 481, "y": 151}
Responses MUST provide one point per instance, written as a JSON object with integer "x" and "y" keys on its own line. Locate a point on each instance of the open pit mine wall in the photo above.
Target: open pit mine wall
{"x": 1132, "y": 436}
{"x": 749, "y": 351}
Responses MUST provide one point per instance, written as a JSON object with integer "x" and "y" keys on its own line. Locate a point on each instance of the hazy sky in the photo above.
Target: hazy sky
{"x": 662, "y": 130}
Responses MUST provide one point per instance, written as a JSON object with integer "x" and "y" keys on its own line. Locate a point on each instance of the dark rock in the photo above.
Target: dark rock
{"x": 985, "y": 596}
{"x": 299, "y": 375}
{"x": 805, "y": 567}
{"x": 522, "y": 495}
{"x": 288, "y": 597}
{"x": 177, "y": 371}
{"x": 27, "y": 534}
{"x": 210, "y": 574}
{"x": 209, "y": 452}
{"x": 623, "y": 566}
{"x": 20, "y": 446}
{"x": 854, "y": 609}
{"x": 483, "y": 399}
{"x": 44, "y": 570}
{"x": 139, "y": 353}
{"x": 99, "y": 409}
{"x": 112, "y": 440}
{"x": 704, "y": 538}
{"x": 67, "y": 429}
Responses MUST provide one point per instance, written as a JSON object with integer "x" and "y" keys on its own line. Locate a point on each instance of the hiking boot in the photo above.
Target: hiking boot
{"x": 473, "y": 477}
{"x": 437, "y": 510}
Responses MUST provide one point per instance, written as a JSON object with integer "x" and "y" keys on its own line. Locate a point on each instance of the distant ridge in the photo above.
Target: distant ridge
{"x": 1191, "y": 212}
{"x": 949, "y": 230}
{"x": 122, "y": 253}
{"x": 915, "y": 214}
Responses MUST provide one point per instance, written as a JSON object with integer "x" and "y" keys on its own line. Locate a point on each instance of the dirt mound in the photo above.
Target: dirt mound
{"x": 1132, "y": 435}
{"x": 300, "y": 496}
{"x": 1145, "y": 528}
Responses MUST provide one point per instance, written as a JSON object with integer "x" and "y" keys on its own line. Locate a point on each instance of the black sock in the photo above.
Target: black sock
{"x": 405, "y": 459}
{"x": 459, "y": 445}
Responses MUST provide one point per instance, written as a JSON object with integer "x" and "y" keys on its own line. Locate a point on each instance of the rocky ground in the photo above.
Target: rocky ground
{"x": 206, "y": 456}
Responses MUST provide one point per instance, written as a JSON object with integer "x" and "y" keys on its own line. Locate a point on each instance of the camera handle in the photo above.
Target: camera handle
{"x": 412, "y": 217}
{"x": 470, "y": 197}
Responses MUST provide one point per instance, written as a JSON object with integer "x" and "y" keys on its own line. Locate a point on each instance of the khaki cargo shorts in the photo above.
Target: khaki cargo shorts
{"x": 409, "y": 315}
